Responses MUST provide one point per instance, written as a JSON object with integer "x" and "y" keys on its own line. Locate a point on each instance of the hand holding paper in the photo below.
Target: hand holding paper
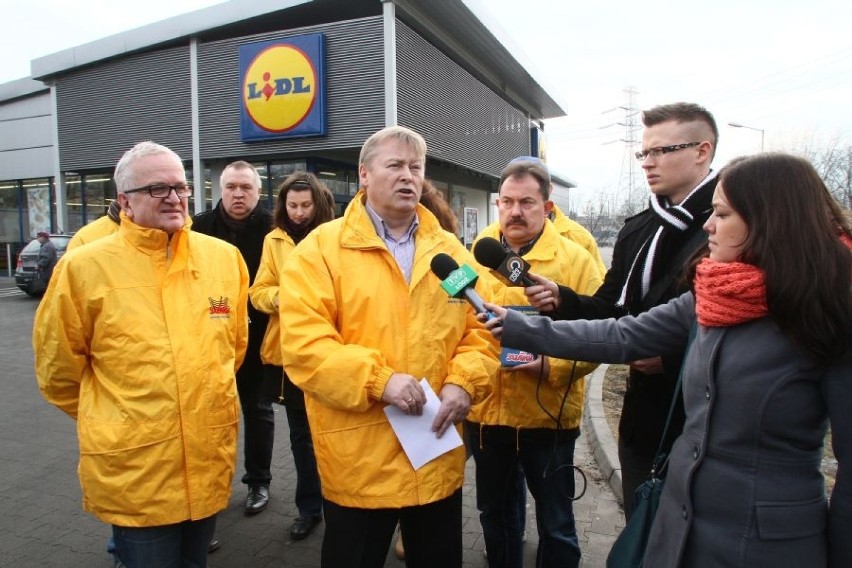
{"x": 419, "y": 442}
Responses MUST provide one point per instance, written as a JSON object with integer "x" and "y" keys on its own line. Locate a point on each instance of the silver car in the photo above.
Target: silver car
{"x": 28, "y": 261}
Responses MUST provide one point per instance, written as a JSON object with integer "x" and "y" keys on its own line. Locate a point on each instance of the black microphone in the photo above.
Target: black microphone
{"x": 509, "y": 267}
{"x": 458, "y": 281}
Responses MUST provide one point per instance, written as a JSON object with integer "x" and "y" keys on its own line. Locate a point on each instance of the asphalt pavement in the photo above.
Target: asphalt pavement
{"x": 42, "y": 523}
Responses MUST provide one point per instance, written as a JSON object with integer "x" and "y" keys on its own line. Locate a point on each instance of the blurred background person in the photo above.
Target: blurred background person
{"x": 46, "y": 257}
{"x": 432, "y": 200}
{"x": 303, "y": 204}
{"x": 100, "y": 227}
{"x": 770, "y": 366}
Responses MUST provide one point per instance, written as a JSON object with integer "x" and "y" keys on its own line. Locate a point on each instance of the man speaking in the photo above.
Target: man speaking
{"x": 363, "y": 320}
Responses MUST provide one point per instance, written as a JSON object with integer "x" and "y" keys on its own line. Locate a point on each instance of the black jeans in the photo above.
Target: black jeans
{"x": 360, "y": 538}
{"x": 256, "y": 392}
{"x": 308, "y": 489}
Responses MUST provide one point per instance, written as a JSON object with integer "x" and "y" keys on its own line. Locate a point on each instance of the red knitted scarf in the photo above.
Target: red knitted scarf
{"x": 729, "y": 293}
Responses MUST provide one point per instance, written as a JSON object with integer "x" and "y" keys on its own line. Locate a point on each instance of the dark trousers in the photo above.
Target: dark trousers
{"x": 640, "y": 428}
{"x": 256, "y": 392}
{"x": 635, "y": 470}
{"x": 308, "y": 489}
{"x": 181, "y": 545}
{"x": 546, "y": 459}
{"x": 360, "y": 538}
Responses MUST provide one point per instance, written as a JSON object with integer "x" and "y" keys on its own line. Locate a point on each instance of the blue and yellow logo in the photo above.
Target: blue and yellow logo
{"x": 283, "y": 88}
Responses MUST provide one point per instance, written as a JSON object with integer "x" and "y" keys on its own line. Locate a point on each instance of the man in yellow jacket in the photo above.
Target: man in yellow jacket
{"x": 532, "y": 417}
{"x": 138, "y": 339}
{"x": 574, "y": 231}
{"x": 363, "y": 320}
{"x": 100, "y": 227}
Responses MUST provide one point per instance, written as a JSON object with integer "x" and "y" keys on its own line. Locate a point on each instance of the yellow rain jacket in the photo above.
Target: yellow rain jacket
{"x": 348, "y": 321}
{"x": 574, "y": 231}
{"x": 138, "y": 339}
{"x": 99, "y": 228}
{"x": 513, "y": 400}
{"x": 277, "y": 246}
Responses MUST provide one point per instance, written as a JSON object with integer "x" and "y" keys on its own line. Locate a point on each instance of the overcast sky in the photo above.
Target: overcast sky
{"x": 783, "y": 66}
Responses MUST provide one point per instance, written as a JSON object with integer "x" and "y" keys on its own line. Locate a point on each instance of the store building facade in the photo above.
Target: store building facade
{"x": 284, "y": 85}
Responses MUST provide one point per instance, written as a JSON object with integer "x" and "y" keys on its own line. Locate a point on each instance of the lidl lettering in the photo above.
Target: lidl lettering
{"x": 285, "y": 86}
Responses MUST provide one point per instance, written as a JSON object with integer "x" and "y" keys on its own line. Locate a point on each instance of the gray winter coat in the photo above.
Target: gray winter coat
{"x": 744, "y": 486}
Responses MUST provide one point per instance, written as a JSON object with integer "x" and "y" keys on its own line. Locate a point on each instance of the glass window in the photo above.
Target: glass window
{"x": 36, "y": 207}
{"x": 279, "y": 171}
{"x": 266, "y": 199}
{"x": 74, "y": 202}
{"x": 99, "y": 193}
{"x": 9, "y": 214}
{"x": 338, "y": 178}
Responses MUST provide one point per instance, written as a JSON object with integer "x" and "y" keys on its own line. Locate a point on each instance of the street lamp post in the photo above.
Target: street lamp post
{"x": 762, "y": 132}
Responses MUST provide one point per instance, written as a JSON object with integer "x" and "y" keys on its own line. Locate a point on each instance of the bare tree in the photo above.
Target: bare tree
{"x": 832, "y": 159}
{"x": 599, "y": 217}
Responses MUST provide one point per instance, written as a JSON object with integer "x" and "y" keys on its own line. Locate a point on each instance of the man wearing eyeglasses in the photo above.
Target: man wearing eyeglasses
{"x": 240, "y": 220}
{"x": 138, "y": 339}
{"x": 650, "y": 256}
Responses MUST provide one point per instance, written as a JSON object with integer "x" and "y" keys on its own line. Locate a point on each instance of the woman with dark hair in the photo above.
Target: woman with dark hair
{"x": 432, "y": 200}
{"x": 769, "y": 367}
{"x": 303, "y": 204}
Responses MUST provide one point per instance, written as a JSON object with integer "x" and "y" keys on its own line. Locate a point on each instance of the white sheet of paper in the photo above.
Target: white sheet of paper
{"x": 420, "y": 443}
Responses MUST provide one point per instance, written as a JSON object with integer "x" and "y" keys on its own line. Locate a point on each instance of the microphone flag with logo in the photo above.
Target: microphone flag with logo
{"x": 458, "y": 281}
{"x": 509, "y": 267}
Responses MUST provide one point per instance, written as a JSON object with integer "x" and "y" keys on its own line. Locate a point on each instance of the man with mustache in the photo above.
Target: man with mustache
{"x": 528, "y": 425}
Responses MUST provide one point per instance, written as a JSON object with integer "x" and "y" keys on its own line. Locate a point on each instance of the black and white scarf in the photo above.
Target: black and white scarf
{"x": 674, "y": 222}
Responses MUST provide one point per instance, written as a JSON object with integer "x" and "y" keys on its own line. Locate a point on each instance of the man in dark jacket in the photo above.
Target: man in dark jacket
{"x": 238, "y": 219}
{"x": 46, "y": 257}
{"x": 650, "y": 256}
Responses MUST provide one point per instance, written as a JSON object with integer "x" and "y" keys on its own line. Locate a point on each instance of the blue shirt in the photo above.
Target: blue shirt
{"x": 402, "y": 249}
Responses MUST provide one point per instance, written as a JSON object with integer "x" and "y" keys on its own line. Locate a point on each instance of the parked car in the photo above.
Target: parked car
{"x": 28, "y": 261}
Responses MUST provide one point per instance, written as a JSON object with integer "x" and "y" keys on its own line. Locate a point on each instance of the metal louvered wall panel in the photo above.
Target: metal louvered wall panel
{"x": 354, "y": 96}
{"x": 463, "y": 121}
{"x": 105, "y": 109}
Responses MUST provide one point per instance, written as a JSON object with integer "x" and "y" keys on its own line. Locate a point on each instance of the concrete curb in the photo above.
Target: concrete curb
{"x": 601, "y": 441}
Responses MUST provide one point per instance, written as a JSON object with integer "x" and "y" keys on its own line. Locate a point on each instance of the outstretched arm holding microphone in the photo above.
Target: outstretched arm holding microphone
{"x": 766, "y": 368}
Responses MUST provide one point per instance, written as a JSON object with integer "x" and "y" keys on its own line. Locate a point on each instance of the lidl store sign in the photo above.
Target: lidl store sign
{"x": 283, "y": 88}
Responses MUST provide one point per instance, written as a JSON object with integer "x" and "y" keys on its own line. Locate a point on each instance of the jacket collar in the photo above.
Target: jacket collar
{"x": 280, "y": 234}
{"x": 154, "y": 242}
{"x": 360, "y": 232}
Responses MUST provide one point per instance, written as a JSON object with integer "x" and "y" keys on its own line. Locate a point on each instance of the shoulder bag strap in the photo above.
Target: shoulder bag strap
{"x": 661, "y": 459}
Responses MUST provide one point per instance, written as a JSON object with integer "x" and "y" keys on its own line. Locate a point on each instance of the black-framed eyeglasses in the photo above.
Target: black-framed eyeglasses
{"x": 162, "y": 190}
{"x": 660, "y": 150}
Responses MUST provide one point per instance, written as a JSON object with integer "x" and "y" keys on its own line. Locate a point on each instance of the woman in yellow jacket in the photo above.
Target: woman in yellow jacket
{"x": 303, "y": 203}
